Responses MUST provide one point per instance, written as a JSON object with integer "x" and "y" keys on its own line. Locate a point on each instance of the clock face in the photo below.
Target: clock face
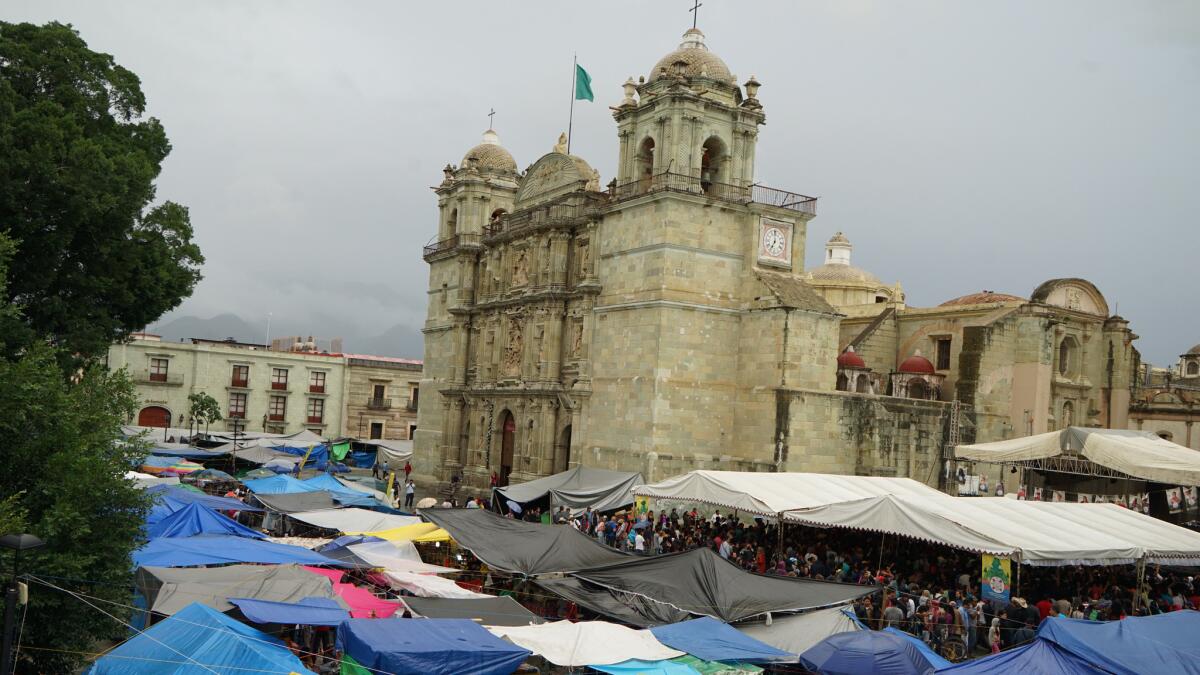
{"x": 774, "y": 241}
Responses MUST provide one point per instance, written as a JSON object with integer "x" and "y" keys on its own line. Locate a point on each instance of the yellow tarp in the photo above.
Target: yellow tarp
{"x": 421, "y": 532}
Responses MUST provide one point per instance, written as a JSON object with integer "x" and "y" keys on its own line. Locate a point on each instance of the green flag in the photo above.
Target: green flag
{"x": 583, "y": 85}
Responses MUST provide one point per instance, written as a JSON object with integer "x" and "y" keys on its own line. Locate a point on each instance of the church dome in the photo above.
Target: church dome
{"x": 917, "y": 364}
{"x": 843, "y": 272}
{"x": 851, "y": 359}
{"x": 695, "y": 58}
{"x": 490, "y": 155}
{"x": 982, "y": 298}
{"x": 1194, "y": 351}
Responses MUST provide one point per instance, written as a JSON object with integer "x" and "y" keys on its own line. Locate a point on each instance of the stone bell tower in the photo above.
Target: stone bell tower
{"x": 479, "y": 191}
{"x": 689, "y": 119}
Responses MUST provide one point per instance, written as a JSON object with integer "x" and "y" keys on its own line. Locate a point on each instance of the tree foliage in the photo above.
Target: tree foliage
{"x": 203, "y": 409}
{"x": 96, "y": 258}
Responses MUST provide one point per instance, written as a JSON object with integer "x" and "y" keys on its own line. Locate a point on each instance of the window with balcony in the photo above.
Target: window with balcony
{"x": 279, "y": 378}
{"x": 240, "y": 377}
{"x": 237, "y": 406}
{"x": 316, "y": 410}
{"x": 277, "y": 408}
{"x": 158, "y": 369}
{"x": 316, "y": 382}
{"x": 412, "y": 397}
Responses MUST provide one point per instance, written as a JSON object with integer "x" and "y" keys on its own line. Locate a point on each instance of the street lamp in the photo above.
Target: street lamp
{"x": 17, "y": 543}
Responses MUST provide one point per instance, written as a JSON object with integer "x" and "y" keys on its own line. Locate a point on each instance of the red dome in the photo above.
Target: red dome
{"x": 917, "y": 364}
{"x": 850, "y": 359}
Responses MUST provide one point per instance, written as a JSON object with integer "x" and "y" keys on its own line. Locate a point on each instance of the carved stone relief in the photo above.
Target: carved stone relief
{"x": 514, "y": 347}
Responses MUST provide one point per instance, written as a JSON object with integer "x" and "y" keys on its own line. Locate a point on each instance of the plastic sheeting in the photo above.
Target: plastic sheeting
{"x": 429, "y": 586}
{"x": 195, "y": 519}
{"x": 363, "y": 603}
{"x": 185, "y": 496}
{"x": 298, "y": 501}
{"x": 639, "y": 667}
{"x": 936, "y": 660}
{"x": 1038, "y": 533}
{"x": 586, "y": 643}
{"x": 428, "y": 647}
{"x": 353, "y": 519}
{"x": 577, "y": 489}
{"x": 1140, "y": 454}
{"x": 390, "y": 557}
{"x": 1040, "y": 657}
{"x": 421, "y": 532}
{"x": 866, "y": 651}
{"x": 281, "y": 485}
{"x": 488, "y": 611}
{"x": 1163, "y": 643}
{"x": 215, "y": 549}
{"x": 768, "y": 494}
{"x": 168, "y": 590}
{"x": 797, "y": 633}
{"x": 702, "y": 583}
{"x": 520, "y": 547}
{"x": 395, "y": 452}
{"x": 305, "y": 612}
{"x": 199, "y": 635}
{"x": 711, "y": 640}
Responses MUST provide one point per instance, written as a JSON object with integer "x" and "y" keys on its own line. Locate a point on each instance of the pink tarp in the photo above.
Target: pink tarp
{"x": 363, "y": 604}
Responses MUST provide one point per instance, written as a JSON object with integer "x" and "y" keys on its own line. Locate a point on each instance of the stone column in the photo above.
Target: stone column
{"x": 462, "y": 343}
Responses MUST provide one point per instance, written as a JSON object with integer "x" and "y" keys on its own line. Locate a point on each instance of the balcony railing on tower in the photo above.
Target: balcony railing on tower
{"x": 740, "y": 194}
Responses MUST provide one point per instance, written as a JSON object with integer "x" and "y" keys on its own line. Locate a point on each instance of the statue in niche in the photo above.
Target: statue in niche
{"x": 512, "y": 350}
{"x": 576, "y": 338}
{"x": 520, "y": 275}
{"x": 585, "y": 260}
{"x": 540, "y": 347}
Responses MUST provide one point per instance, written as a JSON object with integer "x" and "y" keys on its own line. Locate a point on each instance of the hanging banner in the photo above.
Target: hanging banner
{"x": 1121, "y": 501}
{"x": 1083, "y": 498}
{"x": 1059, "y": 496}
{"x": 1037, "y": 494}
{"x": 1189, "y": 497}
{"x": 1021, "y": 492}
{"x": 1145, "y": 502}
{"x": 1135, "y": 502}
{"x": 997, "y": 579}
{"x": 1174, "y": 500}
{"x": 641, "y": 504}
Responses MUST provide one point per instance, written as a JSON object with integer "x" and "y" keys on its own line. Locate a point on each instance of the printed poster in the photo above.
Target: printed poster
{"x": 1037, "y": 494}
{"x": 1059, "y": 496}
{"x": 1135, "y": 502}
{"x": 1021, "y": 492}
{"x": 1175, "y": 500}
{"x": 1145, "y": 502}
{"x": 997, "y": 579}
{"x": 1189, "y": 497}
{"x": 1083, "y": 498}
{"x": 1121, "y": 501}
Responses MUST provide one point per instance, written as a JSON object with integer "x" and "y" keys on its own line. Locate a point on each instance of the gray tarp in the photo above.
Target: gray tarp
{"x": 298, "y": 501}
{"x": 395, "y": 452}
{"x": 702, "y": 583}
{"x": 577, "y": 489}
{"x": 516, "y": 546}
{"x": 624, "y": 607}
{"x": 499, "y": 611}
{"x": 169, "y": 589}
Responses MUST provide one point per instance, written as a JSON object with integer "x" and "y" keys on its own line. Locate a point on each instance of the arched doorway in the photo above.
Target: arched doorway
{"x": 562, "y": 453}
{"x": 645, "y": 163}
{"x": 154, "y": 416}
{"x": 712, "y": 164}
{"x": 917, "y": 389}
{"x": 508, "y": 433}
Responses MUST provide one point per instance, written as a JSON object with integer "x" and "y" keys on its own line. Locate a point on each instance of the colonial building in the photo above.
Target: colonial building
{"x": 274, "y": 391}
{"x": 666, "y": 323}
{"x": 1167, "y": 402}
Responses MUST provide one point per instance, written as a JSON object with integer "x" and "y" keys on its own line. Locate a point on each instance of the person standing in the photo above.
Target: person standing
{"x": 407, "y": 469}
{"x": 410, "y": 492}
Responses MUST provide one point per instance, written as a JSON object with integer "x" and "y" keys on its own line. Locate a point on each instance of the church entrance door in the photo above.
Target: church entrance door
{"x": 507, "y": 442}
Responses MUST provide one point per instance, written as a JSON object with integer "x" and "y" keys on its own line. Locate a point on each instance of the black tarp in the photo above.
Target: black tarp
{"x": 702, "y": 583}
{"x": 624, "y": 607}
{"x": 577, "y": 489}
{"x": 519, "y": 547}
{"x": 297, "y": 501}
{"x": 498, "y": 611}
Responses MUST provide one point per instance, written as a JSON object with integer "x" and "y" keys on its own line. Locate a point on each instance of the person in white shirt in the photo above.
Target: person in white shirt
{"x": 726, "y": 549}
{"x": 639, "y": 543}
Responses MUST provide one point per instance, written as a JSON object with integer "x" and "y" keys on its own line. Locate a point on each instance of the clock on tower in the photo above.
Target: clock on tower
{"x": 775, "y": 242}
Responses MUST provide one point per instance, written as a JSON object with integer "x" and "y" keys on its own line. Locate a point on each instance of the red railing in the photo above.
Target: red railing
{"x": 239, "y": 383}
{"x": 316, "y": 389}
{"x": 275, "y": 417}
{"x": 315, "y": 419}
{"x": 279, "y": 386}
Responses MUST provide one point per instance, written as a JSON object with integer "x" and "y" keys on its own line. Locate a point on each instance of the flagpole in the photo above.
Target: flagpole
{"x": 574, "y": 75}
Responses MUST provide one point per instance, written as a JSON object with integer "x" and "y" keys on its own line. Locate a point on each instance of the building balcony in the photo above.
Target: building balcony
{"x": 236, "y": 414}
{"x": 316, "y": 419}
{"x": 240, "y": 384}
{"x": 275, "y": 418}
{"x": 739, "y": 194}
{"x": 316, "y": 389}
{"x": 279, "y": 386}
{"x": 449, "y": 244}
{"x": 165, "y": 379}
{"x": 410, "y": 405}
{"x": 379, "y": 403}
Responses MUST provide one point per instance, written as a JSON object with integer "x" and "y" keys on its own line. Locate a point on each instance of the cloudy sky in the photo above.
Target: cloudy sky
{"x": 960, "y": 145}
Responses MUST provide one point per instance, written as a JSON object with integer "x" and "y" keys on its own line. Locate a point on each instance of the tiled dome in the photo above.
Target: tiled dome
{"x": 490, "y": 155}
{"x": 697, "y": 60}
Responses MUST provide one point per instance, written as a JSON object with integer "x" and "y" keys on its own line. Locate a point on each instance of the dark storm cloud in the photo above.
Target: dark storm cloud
{"x": 960, "y": 146}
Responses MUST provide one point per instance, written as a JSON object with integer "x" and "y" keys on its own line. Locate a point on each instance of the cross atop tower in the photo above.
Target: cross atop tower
{"x": 695, "y": 10}
{"x": 491, "y": 117}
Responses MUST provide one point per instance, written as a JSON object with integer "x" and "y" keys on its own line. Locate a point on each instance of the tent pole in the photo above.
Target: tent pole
{"x": 1141, "y": 578}
{"x": 882, "y": 536}
{"x": 1017, "y": 585}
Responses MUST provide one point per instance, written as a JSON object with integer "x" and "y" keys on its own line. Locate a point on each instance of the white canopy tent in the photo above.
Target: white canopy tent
{"x": 796, "y": 633}
{"x": 586, "y": 643}
{"x": 430, "y": 586}
{"x": 769, "y": 494}
{"x": 353, "y": 519}
{"x": 1035, "y": 533}
{"x": 1139, "y": 454}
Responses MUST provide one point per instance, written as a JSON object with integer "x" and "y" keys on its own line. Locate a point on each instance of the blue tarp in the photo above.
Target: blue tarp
{"x": 215, "y": 549}
{"x": 342, "y": 494}
{"x": 1163, "y": 643}
{"x": 189, "y": 453}
{"x": 936, "y": 660}
{"x": 188, "y": 497}
{"x": 320, "y": 453}
{"x": 280, "y": 485}
{"x": 363, "y": 459}
{"x": 199, "y": 635}
{"x": 866, "y": 651}
{"x": 428, "y": 647}
{"x": 1040, "y": 657}
{"x": 711, "y": 640}
{"x": 307, "y": 612}
{"x": 195, "y": 519}
{"x": 639, "y": 667}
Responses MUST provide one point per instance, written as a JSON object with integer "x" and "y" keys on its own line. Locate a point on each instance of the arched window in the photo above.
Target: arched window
{"x": 1193, "y": 368}
{"x": 843, "y": 384}
{"x": 452, "y": 224}
{"x": 645, "y": 163}
{"x": 497, "y": 215}
{"x": 1068, "y": 354}
{"x": 712, "y": 164}
{"x": 864, "y": 384}
{"x": 508, "y": 433}
{"x": 918, "y": 389}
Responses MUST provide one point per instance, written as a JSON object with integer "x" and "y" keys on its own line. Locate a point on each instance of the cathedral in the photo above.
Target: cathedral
{"x": 664, "y": 321}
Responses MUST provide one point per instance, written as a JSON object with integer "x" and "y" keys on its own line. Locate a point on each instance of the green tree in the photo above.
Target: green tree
{"x": 203, "y": 409}
{"x": 96, "y": 258}
{"x": 62, "y": 475}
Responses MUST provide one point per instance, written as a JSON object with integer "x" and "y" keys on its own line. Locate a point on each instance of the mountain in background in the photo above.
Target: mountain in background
{"x": 399, "y": 340}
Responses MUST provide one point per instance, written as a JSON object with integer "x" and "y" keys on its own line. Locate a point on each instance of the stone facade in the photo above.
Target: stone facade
{"x": 1167, "y": 401}
{"x": 381, "y": 397}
